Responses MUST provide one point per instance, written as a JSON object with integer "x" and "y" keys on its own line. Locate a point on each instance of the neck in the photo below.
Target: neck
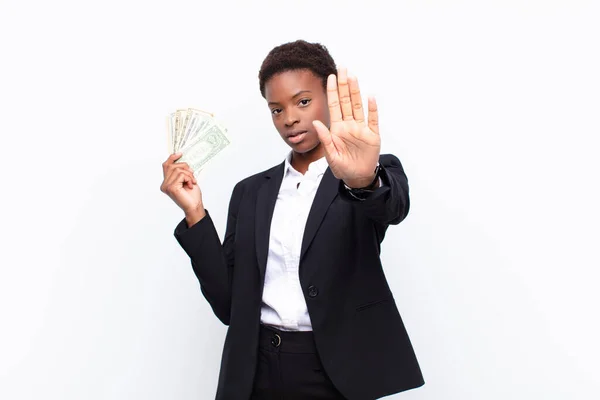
{"x": 301, "y": 161}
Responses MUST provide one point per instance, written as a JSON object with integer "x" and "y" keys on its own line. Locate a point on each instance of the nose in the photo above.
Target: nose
{"x": 291, "y": 118}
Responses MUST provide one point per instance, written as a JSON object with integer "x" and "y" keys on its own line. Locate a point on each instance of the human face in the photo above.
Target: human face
{"x": 296, "y": 98}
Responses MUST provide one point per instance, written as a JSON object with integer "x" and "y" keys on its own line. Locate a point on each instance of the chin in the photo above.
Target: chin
{"x": 303, "y": 147}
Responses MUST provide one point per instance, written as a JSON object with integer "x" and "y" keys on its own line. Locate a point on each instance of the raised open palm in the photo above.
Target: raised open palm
{"x": 352, "y": 143}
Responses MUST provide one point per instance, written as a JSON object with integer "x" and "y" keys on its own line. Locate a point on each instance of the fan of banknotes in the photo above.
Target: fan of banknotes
{"x": 197, "y": 135}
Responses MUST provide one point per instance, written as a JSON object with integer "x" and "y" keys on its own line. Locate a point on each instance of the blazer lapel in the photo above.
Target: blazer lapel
{"x": 265, "y": 204}
{"x": 326, "y": 193}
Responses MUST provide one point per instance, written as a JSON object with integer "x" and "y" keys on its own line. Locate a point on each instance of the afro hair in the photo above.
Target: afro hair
{"x": 294, "y": 56}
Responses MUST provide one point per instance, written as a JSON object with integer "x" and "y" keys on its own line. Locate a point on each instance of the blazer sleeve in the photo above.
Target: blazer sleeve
{"x": 388, "y": 204}
{"x": 212, "y": 261}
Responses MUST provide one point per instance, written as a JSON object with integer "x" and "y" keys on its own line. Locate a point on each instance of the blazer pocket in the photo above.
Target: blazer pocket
{"x": 374, "y": 303}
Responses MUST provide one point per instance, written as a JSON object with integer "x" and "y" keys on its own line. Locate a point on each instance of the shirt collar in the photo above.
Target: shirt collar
{"x": 319, "y": 166}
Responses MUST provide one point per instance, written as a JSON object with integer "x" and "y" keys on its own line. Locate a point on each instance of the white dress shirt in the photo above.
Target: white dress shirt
{"x": 284, "y": 305}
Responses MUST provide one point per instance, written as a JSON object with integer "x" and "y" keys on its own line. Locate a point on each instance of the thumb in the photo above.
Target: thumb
{"x": 325, "y": 138}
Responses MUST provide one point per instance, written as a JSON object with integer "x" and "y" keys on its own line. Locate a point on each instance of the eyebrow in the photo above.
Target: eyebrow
{"x": 294, "y": 96}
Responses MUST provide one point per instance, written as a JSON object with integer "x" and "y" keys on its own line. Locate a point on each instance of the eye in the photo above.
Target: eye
{"x": 275, "y": 111}
{"x": 304, "y": 102}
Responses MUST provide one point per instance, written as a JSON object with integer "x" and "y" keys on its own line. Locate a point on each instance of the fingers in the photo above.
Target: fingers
{"x": 325, "y": 138}
{"x": 172, "y": 158}
{"x": 344, "y": 99}
{"x": 180, "y": 177}
{"x": 169, "y": 165}
{"x": 344, "y": 94}
{"x": 335, "y": 114}
{"x": 357, "y": 106}
{"x": 183, "y": 167}
{"x": 184, "y": 178}
{"x": 178, "y": 174}
{"x": 373, "y": 116}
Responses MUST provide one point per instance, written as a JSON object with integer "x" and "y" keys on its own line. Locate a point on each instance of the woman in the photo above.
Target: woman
{"x": 298, "y": 278}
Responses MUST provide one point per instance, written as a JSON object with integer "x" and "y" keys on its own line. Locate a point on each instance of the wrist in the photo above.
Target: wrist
{"x": 363, "y": 192}
{"x": 193, "y": 216}
{"x": 360, "y": 183}
{"x": 370, "y": 182}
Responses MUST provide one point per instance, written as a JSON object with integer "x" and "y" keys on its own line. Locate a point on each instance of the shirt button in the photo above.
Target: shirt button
{"x": 313, "y": 291}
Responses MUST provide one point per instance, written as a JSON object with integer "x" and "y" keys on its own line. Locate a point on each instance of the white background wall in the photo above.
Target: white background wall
{"x": 492, "y": 106}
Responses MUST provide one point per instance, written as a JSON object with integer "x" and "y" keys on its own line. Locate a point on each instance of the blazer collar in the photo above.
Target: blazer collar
{"x": 326, "y": 193}
{"x": 265, "y": 205}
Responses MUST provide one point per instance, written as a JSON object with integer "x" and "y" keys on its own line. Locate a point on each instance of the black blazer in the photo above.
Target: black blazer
{"x": 360, "y": 336}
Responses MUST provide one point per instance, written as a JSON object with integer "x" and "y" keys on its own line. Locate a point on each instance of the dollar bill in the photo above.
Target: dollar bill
{"x": 198, "y": 124}
{"x": 187, "y": 122}
{"x": 204, "y": 147}
{"x": 179, "y": 120}
{"x": 171, "y": 123}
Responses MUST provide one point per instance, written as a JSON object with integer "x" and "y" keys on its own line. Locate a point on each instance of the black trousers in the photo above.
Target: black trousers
{"x": 289, "y": 368}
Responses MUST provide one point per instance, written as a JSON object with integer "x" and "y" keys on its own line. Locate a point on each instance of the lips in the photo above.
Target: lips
{"x": 296, "y": 136}
{"x": 295, "y": 133}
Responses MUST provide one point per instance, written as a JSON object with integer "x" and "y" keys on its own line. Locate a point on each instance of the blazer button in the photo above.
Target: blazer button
{"x": 313, "y": 291}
